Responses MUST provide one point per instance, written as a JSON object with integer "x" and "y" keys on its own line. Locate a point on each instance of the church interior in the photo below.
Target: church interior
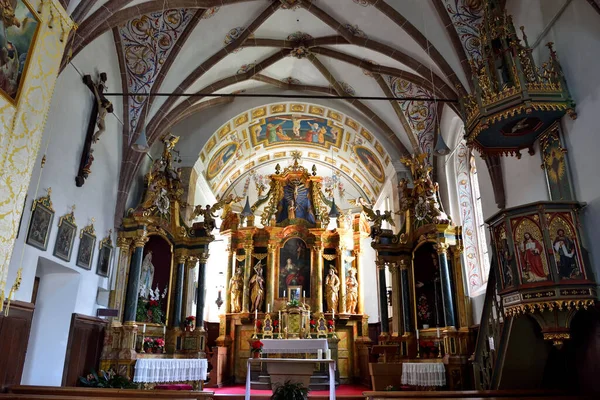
{"x": 299, "y": 198}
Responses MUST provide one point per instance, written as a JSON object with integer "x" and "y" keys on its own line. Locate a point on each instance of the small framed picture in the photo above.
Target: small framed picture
{"x": 40, "y": 225}
{"x": 295, "y": 293}
{"x": 86, "y": 249}
{"x": 63, "y": 247}
{"x": 104, "y": 258}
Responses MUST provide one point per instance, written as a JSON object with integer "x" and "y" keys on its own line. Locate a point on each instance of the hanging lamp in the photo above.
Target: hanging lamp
{"x": 247, "y": 211}
{"x": 334, "y": 212}
{"x": 141, "y": 144}
{"x": 441, "y": 149}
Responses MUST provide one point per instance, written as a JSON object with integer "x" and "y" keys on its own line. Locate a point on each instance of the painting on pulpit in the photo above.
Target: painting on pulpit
{"x": 154, "y": 281}
{"x": 428, "y": 292}
{"x": 295, "y": 203}
{"x": 531, "y": 254}
{"x": 567, "y": 253}
{"x": 294, "y": 267}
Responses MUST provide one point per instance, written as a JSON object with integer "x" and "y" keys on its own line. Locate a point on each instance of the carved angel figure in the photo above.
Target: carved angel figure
{"x": 377, "y": 218}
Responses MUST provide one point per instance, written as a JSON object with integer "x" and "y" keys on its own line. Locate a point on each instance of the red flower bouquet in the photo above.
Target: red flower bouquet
{"x": 330, "y": 324}
{"x": 159, "y": 343}
{"x": 258, "y": 324}
{"x": 189, "y": 321}
{"x": 257, "y": 346}
{"x": 276, "y": 324}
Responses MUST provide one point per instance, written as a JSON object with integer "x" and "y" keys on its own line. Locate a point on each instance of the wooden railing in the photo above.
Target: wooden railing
{"x": 76, "y": 393}
{"x": 492, "y": 337}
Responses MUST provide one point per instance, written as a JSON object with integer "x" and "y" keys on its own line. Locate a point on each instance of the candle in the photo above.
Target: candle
{"x": 303, "y": 293}
{"x": 268, "y": 308}
{"x": 319, "y": 354}
{"x": 328, "y": 354}
{"x": 417, "y": 334}
{"x": 333, "y": 316}
{"x": 284, "y": 294}
{"x": 144, "y": 329}
{"x": 164, "y": 330}
{"x": 256, "y": 314}
{"x": 438, "y": 333}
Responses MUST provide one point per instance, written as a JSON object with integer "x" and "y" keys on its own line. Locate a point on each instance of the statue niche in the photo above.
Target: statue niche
{"x": 154, "y": 288}
{"x": 428, "y": 291}
{"x": 294, "y": 266}
{"x": 295, "y": 203}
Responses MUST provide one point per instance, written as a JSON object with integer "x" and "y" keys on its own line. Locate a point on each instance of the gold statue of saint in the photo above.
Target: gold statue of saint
{"x": 351, "y": 291}
{"x": 332, "y": 284}
{"x": 257, "y": 288}
{"x": 236, "y": 286}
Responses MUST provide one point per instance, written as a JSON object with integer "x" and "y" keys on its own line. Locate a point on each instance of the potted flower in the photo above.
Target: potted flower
{"x": 189, "y": 323}
{"x": 257, "y": 346}
{"x": 290, "y": 391}
{"x": 276, "y": 325}
{"x": 149, "y": 345}
{"x": 159, "y": 345}
{"x": 313, "y": 324}
{"x": 258, "y": 324}
{"x": 330, "y": 325}
{"x": 106, "y": 379}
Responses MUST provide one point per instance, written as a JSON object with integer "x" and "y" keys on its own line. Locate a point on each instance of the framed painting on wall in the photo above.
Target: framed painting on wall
{"x": 19, "y": 27}
{"x": 65, "y": 238}
{"x": 105, "y": 256}
{"x": 86, "y": 247}
{"x": 40, "y": 225}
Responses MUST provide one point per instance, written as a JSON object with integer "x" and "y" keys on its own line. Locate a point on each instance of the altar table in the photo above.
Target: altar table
{"x": 294, "y": 364}
{"x": 155, "y": 370}
{"x": 293, "y": 346}
{"x": 424, "y": 374}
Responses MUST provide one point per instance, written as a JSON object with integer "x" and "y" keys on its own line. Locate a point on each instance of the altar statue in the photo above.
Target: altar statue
{"x": 257, "y": 288}
{"x": 147, "y": 275}
{"x": 332, "y": 283}
{"x": 236, "y": 285}
{"x": 351, "y": 291}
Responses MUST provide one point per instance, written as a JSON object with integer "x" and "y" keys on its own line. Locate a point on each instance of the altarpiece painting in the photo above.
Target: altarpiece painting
{"x": 529, "y": 247}
{"x": 294, "y": 267}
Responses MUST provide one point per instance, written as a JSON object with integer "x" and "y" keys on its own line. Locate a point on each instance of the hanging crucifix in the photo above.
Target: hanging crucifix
{"x": 96, "y": 126}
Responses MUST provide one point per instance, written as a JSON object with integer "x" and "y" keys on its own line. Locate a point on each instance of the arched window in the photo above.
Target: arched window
{"x": 476, "y": 258}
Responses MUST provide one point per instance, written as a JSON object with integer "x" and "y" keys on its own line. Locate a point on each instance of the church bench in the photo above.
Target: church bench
{"x": 59, "y": 396}
{"x": 130, "y": 394}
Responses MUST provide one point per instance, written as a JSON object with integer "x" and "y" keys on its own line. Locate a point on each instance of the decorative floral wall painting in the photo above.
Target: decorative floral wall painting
{"x": 530, "y": 251}
{"x": 290, "y": 129}
{"x": 18, "y": 30}
{"x": 220, "y": 159}
{"x": 370, "y": 162}
{"x": 565, "y": 245}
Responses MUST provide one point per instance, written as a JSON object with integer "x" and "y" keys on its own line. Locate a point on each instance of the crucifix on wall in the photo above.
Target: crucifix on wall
{"x": 96, "y": 126}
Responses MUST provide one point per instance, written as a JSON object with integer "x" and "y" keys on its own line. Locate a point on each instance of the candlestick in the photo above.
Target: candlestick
{"x": 320, "y": 353}
{"x": 329, "y": 354}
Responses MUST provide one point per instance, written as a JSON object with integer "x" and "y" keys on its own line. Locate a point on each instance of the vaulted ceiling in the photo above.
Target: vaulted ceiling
{"x": 352, "y": 48}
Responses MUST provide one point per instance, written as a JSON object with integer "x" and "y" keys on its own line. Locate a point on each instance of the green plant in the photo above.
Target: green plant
{"x": 106, "y": 379}
{"x": 294, "y": 303}
{"x": 290, "y": 391}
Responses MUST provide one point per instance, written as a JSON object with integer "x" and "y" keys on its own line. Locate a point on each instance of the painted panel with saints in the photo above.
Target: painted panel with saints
{"x": 504, "y": 256}
{"x": 565, "y": 246}
{"x": 555, "y": 165}
{"x": 294, "y": 266}
{"x": 530, "y": 250}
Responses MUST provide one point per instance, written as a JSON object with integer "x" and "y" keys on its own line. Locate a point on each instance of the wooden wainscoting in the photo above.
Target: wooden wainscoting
{"x": 86, "y": 337}
{"x": 14, "y": 338}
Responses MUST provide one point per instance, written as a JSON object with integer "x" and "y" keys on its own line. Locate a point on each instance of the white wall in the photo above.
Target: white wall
{"x": 64, "y": 138}
{"x": 369, "y": 280}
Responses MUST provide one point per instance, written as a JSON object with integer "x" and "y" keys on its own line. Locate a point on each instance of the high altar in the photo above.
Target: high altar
{"x": 293, "y": 278}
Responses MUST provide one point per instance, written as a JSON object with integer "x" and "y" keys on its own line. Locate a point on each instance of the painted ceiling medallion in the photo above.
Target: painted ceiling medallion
{"x": 347, "y": 88}
{"x": 209, "y": 13}
{"x": 356, "y": 31}
{"x": 291, "y": 81}
{"x": 364, "y": 3}
{"x": 290, "y": 4}
{"x": 245, "y": 68}
{"x": 300, "y": 52}
{"x": 366, "y": 72}
{"x": 299, "y": 37}
{"x": 147, "y": 42}
{"x": 232, "y": 35}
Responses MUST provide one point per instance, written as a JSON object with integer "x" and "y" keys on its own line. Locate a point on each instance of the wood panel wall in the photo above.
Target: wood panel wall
{"x": 86, "y": 338}
{"x": 14, "y": 338}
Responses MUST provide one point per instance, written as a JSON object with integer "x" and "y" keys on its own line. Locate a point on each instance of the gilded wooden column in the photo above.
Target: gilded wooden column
{"x": 396, "y": 295}
{"x": 271, "y": 273}
{"x": 464, "y": 306}
{"x": 179, "y": 279}
{"x": 359, "y": 278}
{"x": 133, "y": 282}
{"x": 202, "y": 258}
{"x": 229, "y": 271}
{"x": 447, "y": 296}
{"x": 189, "y": 287}
{"x": 247, "y": 271}
{"x": 318, "y": 252}
{"x": 383, "y": 304}
{"x": 117, "y": 295}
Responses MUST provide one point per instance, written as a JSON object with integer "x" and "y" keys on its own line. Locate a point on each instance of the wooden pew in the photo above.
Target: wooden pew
{"x": 474, "y": 395}
{"x": 76, "y": 393}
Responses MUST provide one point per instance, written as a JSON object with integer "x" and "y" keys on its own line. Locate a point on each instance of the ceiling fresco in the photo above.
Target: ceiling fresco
{"x": 268, "y": 135}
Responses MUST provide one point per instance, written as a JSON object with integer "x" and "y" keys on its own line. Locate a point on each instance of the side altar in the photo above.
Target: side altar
{"x": 293, "y": 278}
{"x": 158, "y": 254}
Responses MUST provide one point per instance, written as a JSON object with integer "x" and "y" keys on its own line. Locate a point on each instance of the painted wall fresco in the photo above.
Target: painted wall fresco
{"x": 220, "y": 159}
{"x": 18, "y": 33}
{"x": 147, "y": 41}
{"x": 466, "y": 21}
{"x": 371, "y": 162}
{"x": 287, "y": 129}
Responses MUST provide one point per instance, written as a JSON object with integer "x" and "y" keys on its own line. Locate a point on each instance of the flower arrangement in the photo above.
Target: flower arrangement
{"x": 150, "y": 345}
{"x": 428, "y": 348}
{"x": 313, "y": 324}
{"x": 106, "y": 379}
{"x": 330, "y": 324}
{"x": 423, "y": 311}
{"x": 189, "y": 321}
{"x": 276, "y": 324}
{"x": 150, "y": 305}
{"x": 293, "y": 303}
{"x": 257, "y": 346}
{"x": 258, "y": 324}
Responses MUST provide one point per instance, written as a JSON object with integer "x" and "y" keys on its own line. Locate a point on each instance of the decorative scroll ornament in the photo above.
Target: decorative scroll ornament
{"x": 44, "y": 201}
{"x": 260, "y": 256}
{"x": 107, "y": 240}
{"x": 70, "y": 217}
{"x": 88, "y": 229}
{"x": 240, "y": 257}
{"x": 330, "y": 257}
{"x": 300, "y": 52}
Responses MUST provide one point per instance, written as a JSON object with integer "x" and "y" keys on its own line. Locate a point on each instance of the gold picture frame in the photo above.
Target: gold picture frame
{"x": 295, "y": 293}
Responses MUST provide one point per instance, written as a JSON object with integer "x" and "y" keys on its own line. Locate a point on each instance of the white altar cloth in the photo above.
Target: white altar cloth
{"x": 293, "y": 346}
{"x": 156, "y": 370}
{"x": 424, "y": 374}
{"x": 293, "y": 360}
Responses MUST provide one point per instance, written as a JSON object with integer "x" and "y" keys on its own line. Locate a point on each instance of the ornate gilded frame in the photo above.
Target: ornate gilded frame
{"x": 105, "y": 253}
{"x": 43, "y": 205}
{"x": 87, "y": 235}
{"x": 67, "y": 224}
